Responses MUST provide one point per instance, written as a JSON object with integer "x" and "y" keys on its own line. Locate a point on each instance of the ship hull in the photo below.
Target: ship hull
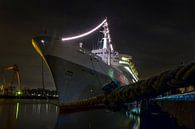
{"x": 77, "y": 74}
{"x": 73, "y": 81}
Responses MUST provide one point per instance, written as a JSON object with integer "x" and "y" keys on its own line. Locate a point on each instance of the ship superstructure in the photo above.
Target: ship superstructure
{"x": 79, "y": 73}
{"x": 112, "y": 57}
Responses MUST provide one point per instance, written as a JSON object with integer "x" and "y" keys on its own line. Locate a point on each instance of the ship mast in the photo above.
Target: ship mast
{"x": 107, "y": 42}
{"x": 107, "y": 46}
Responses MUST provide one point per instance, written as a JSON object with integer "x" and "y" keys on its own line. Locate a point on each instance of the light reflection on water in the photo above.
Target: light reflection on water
{"x": 40, "y": 114}
{"x": 17, "y": 108}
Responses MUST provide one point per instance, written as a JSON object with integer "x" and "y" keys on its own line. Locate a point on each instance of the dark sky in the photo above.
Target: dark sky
{"x": 159, "y": 34}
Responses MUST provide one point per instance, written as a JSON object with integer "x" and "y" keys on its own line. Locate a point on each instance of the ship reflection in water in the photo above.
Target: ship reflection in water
{"x": 41, "y": 114}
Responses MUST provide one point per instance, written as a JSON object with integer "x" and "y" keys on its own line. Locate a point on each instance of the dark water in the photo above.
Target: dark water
{"x": 41, "y": 114}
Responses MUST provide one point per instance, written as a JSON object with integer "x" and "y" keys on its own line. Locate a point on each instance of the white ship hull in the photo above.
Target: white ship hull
{"x": 77, "y": 75}
{"x": 73, "y": 81}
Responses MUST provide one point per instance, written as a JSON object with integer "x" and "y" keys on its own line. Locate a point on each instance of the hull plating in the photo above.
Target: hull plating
{"x": 73, "y": 81}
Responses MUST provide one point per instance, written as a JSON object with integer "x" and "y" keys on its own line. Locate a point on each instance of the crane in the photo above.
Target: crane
{"x": 7, "y": 84}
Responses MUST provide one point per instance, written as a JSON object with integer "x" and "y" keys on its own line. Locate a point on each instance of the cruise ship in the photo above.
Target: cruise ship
{"x": 81, "y": 73}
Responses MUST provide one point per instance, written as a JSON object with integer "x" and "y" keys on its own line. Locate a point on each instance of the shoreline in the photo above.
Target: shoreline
{"x": 26, "y": 97}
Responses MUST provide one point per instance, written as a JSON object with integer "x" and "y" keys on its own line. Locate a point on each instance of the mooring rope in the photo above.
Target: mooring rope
{"x": 182, "y": 76}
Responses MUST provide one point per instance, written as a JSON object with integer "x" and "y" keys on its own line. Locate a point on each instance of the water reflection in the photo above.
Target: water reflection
{"x": 27, "y": 114}
{"x": 17, "y": 109}
{"x": 134, "y": 118}
{"x": 39, "y": 114}
{"x": 99, "y": 119}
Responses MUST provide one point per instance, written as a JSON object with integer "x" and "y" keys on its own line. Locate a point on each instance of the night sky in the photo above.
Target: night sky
{"x": 158, "y": 34}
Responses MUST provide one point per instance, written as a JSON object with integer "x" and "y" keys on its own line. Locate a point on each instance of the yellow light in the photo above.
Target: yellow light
{"x": 19, "y": 93}
{"x": 17, "y": 109}
{"x": 123, "y": 62}
{"x": 134, "y": 76}
{"x": 38, "y": 50}
{"x": 125, "y": 58}
{"x": 1, "y": 87}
